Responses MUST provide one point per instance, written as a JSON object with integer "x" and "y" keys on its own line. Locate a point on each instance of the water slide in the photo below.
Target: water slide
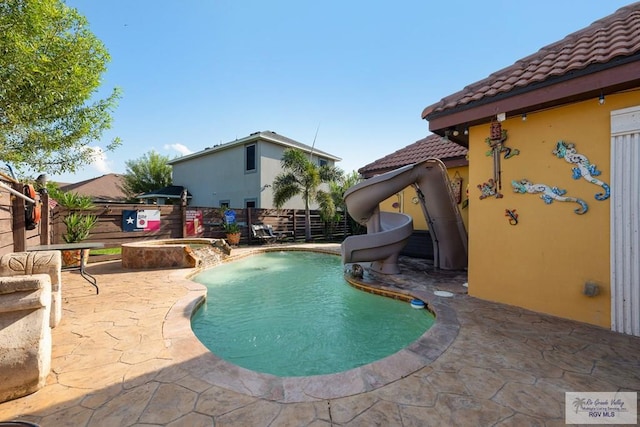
{"x": 388, "y": 232}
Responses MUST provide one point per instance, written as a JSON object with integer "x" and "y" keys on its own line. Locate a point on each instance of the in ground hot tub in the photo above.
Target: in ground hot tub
{"x": 174, "y": 253}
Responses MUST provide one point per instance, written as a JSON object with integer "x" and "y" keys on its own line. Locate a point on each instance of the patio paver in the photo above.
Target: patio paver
{"x": 123, "y": 358}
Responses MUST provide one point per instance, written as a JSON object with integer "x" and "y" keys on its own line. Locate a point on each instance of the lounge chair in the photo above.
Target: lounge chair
{"x": 260, "y": 233}
{"x": 279, "y": 235}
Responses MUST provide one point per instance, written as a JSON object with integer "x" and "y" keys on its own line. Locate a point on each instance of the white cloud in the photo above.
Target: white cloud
{"x": 99, "y": 161}
{"x": 182, "y": 149}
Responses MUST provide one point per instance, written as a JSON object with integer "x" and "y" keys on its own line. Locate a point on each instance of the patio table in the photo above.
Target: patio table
{"x": 82, "y": 246}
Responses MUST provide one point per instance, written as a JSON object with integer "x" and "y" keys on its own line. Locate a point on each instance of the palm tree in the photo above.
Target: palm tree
{"x": 578, "y": 403}
{"x": 303, "y": 177}
{"x": 337, "y": 190}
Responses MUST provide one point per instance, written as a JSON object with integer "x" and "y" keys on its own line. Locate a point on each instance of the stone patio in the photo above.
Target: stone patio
{"x": 127, "y": 357}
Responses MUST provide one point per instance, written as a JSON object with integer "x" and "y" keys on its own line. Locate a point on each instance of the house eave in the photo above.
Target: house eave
{"x": 570, "y": 88}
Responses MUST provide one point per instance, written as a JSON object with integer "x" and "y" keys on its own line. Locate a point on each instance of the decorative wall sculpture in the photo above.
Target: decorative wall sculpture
{"x": 456, "y": 187}
{"x": 548, "y": 194}
{"x": 489, "y": 189}
{"x": 496, "y": 140}
{"x": 512, "y": 215}
{"x": 584, "y": 169}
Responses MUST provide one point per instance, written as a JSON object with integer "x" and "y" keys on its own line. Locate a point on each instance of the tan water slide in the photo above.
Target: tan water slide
{"x": 388, "y": 232}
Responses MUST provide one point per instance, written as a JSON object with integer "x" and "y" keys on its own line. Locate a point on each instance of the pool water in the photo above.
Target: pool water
{"x": 293, "y": 314}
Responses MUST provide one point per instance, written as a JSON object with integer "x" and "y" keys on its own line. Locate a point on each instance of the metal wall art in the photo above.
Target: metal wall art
{"x": 584, "y": 169}
{"x": 489, "y": 189}
{"x": 456, "y": 187}
{"x": 548, "y": 194}
{"x": 512, "y": 215}
{"x": 496, "y": 141}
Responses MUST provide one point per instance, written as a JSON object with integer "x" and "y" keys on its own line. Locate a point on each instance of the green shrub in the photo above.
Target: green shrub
{"x": 78, "y": 226}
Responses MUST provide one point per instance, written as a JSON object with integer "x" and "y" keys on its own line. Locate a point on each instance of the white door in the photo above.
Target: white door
{"x": 625, "y": 220}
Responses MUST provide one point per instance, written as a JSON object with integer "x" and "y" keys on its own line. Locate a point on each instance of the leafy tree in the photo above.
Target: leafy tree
{"x": 303, "y": 177}
{"x": 148, "y": 173}
{"x": 50, "y": 67}
{"x": 337, "y": 189}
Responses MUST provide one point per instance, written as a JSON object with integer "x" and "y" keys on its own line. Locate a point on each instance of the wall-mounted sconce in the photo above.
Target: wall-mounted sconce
{"x": 591, "y": 289}
{"x": 524, "y": 117}
{"x": 456, "y": 132}
{"x": 601, "y": 99}
{"x": 466, "y": 131}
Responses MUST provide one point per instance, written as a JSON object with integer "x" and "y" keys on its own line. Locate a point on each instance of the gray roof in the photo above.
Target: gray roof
{"x": 266, "y": 135}
{"x": 103, "y": 189}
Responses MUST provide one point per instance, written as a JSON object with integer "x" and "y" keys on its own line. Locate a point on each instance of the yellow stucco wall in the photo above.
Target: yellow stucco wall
{"x": 405, "y": 204}
{"x": 543, "y": 262}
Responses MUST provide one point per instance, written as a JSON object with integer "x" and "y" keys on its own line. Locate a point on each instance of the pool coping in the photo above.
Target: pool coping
{"x": 184, "y": 346}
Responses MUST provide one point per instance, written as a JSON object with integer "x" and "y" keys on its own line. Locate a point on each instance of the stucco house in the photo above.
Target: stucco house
{"x": 454, "y": 157}
{"x": 554, "y": 160}
{"x": 239, "y": 174}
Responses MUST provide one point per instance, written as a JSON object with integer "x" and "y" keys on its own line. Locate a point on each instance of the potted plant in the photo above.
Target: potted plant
{"x": 233, "y": 232}
{"x": 78, "y": 228}
{"x": 78, "y": 224}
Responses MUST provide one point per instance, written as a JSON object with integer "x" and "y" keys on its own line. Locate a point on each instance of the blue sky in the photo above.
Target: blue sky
{"x": 199, "y": 73}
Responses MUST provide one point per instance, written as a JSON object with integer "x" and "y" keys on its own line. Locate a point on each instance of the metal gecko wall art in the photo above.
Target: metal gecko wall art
{"x": 496, "y": 141}
{"x": 584, "y": 169}
{"x": 548, "y": 194}
{"x": 512, "y": 216}
{"x": 488, "y": 189}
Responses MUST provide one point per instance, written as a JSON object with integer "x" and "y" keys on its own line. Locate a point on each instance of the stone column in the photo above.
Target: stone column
{"x": 25, "y": 334}
{"x": 44, "y": 262}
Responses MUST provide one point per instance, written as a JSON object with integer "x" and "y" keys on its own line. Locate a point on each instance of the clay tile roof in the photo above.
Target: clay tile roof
{"x": 433, "y": 146}
{"x": 606, "y": 40}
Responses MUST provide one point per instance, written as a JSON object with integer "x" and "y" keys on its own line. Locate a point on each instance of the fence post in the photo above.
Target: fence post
{"x": 19, "y": 232}
{"x": 45, "y": 223}
{"x": 295, "y": 225}
{"x": 249, "y": 224}
{"x": 183, "y": 211}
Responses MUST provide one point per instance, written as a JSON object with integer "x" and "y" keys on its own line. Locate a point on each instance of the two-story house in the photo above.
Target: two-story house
{"x": 239, "y": 174}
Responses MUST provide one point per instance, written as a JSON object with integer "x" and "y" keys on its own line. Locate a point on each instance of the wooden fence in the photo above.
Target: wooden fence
{"x": 173, "y": 224}
{"x": 13, "y": 235}
{"x": 109, "y": 228}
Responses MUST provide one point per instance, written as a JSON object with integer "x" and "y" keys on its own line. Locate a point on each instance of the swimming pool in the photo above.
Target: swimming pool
{"x": 290, "y": 313}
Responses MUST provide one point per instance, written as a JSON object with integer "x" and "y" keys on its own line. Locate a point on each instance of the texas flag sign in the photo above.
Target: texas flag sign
{"x": 144, "y": 220}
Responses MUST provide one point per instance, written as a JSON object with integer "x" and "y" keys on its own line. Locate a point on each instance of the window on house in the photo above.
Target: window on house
{"x": 225, "y": 204}
{"x": 250, "y": 203}
{"x": 322, "y": 162}
{"x": 250, "y": 158}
